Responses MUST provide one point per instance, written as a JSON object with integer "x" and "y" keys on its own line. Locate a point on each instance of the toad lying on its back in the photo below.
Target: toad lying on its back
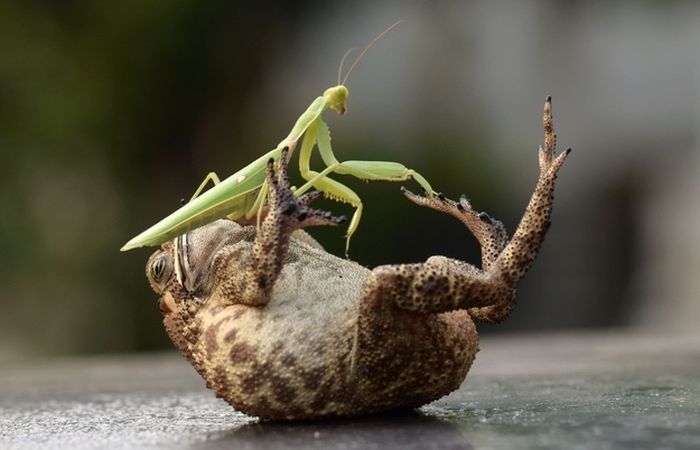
{"x": 281, "y": 329}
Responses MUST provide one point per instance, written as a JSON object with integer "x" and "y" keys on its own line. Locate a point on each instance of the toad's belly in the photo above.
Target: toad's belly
{"x": 274, "y": 368}
{"x": 316, "y": 351}
{"x": 315, "y": 372}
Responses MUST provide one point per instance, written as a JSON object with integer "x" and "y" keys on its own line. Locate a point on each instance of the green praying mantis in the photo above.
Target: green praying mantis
{"x": 243, "y": 194}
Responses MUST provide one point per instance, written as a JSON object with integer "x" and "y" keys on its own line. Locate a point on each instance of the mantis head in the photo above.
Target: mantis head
{"x": 336, "y": 97}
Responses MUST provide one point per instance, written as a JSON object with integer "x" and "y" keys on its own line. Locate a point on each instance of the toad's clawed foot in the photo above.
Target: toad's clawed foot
{"x": 509, "y": 260}
{"x": 291, "y": 209}
{"x": 490, "y": 232}
{"x": 549, "y": 162}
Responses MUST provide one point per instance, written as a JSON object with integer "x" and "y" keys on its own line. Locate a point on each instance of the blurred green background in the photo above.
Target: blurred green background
{"x": 110, "y": 112}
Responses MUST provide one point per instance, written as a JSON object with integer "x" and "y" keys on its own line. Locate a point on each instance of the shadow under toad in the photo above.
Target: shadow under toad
{"x": 410, "y": 429}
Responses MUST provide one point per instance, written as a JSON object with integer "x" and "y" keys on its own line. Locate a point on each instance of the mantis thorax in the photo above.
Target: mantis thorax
{"x": 335, "y": 98}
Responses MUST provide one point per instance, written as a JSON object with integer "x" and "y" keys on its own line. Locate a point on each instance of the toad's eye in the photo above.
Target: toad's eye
{"x": 158, "y": 267}
{"x": 158, "y": 270}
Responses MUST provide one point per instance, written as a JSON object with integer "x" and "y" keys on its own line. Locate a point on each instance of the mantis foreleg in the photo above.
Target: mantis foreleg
{"x": 338, "y": 191}
{"x": 317, "y": 133}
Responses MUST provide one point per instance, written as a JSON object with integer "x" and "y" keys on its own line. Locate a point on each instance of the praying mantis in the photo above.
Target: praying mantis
{"x": 243, "y": 194}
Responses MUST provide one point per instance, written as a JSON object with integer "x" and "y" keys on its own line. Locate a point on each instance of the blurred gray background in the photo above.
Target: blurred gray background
{"x": 112, "y": 112}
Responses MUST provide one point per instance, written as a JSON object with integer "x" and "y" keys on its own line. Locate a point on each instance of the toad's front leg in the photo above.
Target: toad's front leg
{"x": 252, "y": 283}
{"x": 442, "y": 284}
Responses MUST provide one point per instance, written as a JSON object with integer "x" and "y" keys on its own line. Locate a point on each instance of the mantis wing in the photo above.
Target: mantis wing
{"x": 231, "y": 197}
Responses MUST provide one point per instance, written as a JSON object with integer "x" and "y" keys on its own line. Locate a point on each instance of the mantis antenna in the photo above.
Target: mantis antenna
{"x": 362, "y": 53}
{"x": 342, "y": 60}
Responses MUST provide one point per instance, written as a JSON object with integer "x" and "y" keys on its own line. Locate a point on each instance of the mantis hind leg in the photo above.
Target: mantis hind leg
{"x": 364, "y": 170}
{"x": 368, "y": 171}
{"x": 382, "y": 171}
{"x": 246, "y": 203}
{"x": 211, "y": 176}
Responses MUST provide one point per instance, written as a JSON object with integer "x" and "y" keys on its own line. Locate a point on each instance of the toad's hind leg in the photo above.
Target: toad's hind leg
{"x": 492, "y": 238}
{"x": 442, "y": 284}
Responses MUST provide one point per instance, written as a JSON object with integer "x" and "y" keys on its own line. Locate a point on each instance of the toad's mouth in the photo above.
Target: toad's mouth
{"x": 167, "y": 304}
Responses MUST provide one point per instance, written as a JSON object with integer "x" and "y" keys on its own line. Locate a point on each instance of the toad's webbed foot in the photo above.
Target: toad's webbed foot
{"x": 252, "y": 284}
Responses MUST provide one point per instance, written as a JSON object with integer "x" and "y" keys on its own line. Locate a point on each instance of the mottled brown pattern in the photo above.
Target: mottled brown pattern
{"x": 251, "y": 383}
{"x": 288, "y": 360}
{"x": 282, "y": 390}
{"x": 230, "y": 336}
{"x": 241, "y": 353}
{"x": 211, "y": 335}
{"x": 218, "y": 378}
{"x": 283, "y": 330}
{"x": 312, "y": 378}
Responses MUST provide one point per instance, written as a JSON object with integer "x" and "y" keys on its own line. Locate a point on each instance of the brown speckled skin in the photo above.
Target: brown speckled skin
{"x": 283, "y": 330}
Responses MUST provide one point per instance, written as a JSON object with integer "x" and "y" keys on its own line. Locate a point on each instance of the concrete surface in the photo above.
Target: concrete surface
{"x": 591, "y": 390}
